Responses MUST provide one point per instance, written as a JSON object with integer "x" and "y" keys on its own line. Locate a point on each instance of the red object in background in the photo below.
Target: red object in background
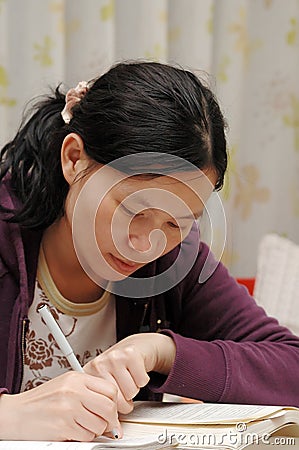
{"x": 248, "y": 282}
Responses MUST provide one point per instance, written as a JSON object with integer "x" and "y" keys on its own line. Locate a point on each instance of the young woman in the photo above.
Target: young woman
{"x": 99, "y": 195}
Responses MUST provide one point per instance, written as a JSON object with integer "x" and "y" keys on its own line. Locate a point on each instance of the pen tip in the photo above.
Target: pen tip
{"x": 115, "y": 433}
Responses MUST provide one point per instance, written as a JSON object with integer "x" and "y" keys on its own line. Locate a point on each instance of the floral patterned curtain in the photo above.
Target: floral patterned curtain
{"x": 248, "y": 51}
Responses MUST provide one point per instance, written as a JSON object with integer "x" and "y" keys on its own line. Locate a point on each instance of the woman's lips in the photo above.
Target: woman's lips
{"x": 124, "y": 266}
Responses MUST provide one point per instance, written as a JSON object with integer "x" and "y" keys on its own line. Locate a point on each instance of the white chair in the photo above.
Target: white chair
{"x": 276, "y": 287}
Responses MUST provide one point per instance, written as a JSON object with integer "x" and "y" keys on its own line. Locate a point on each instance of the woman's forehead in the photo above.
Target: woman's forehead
{"x": 184, "y": 183}
{"x": 185, "y": 195}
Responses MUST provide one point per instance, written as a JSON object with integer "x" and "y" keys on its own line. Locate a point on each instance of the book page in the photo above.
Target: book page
{"x": 189, "y": 436}
{"x": 197, "y": 413}
{"x": 43, "y": 445}
{"x": 130, "y": 441}
{"x": 221, "y": 437}
{"x": 133, "y": 440}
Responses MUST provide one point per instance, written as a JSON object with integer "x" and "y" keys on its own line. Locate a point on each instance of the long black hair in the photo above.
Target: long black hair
{"x": 134, "y": 107}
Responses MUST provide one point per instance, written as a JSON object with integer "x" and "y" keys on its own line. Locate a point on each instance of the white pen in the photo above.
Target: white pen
{"x": 63, "y": 344}
{"x": 60, "y": 338}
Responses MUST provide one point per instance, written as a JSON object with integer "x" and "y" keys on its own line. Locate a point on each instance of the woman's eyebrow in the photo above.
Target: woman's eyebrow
{"x": 145, "y": 203}
{"x": 195, "y": 216}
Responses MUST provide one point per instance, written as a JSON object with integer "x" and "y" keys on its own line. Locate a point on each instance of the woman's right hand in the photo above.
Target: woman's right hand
{"x": 73, "y": 406}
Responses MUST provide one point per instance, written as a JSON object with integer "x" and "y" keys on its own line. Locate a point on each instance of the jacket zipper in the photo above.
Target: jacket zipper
{"x": 25, "y": 324}
{"x": 144, "y": 312}
{"x": 142, "y": 328}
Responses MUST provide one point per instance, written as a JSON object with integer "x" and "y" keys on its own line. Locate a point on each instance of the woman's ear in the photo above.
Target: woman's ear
{"x": 73, "y": 157}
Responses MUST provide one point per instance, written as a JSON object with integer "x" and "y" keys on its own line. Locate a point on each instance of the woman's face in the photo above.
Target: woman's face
{"x": 119, "y": 225}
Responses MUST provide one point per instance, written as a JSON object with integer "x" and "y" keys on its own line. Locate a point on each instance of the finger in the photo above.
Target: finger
{"x": 102, "y": 407}
{"x": 128, "y": 368}
{"x": 139, "y": 374}
{"x": 126, "y": 383}
{"x": 134, "y": 362}
{"x": 103, "y": 386}
{"x": 79, "y": 433}
{"x": 123, "y": 406}
{"x": 90, "y": 421}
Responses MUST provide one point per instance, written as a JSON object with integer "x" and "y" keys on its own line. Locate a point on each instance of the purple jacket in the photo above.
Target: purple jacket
{"x": 228, "y": 350}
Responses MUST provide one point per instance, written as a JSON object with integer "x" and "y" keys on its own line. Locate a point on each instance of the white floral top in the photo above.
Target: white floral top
{"x": 89, "y": 328}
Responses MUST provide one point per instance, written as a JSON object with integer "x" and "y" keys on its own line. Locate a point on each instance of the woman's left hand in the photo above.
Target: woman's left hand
{"x": 127, "y": 363}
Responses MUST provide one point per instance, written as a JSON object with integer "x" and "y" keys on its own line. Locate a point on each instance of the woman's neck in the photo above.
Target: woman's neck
{"x": 64, "y": 267}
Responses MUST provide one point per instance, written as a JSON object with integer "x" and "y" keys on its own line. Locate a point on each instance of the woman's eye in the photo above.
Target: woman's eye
{"x": 173, "y": 225}
{"x": 127, "y": 211}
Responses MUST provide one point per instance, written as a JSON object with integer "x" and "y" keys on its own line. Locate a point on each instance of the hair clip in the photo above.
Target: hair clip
{"x": 72, "y": 97}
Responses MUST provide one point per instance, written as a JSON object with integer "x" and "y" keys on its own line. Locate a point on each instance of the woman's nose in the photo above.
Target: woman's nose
{"x": 140, "y": 243}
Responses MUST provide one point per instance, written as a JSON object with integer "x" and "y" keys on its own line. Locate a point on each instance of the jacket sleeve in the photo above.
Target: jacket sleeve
{"x": 228, "y": 349}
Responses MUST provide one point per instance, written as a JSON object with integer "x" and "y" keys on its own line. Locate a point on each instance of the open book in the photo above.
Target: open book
{"x": 199, "y": 426}
{"x": 213, "y": 426}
